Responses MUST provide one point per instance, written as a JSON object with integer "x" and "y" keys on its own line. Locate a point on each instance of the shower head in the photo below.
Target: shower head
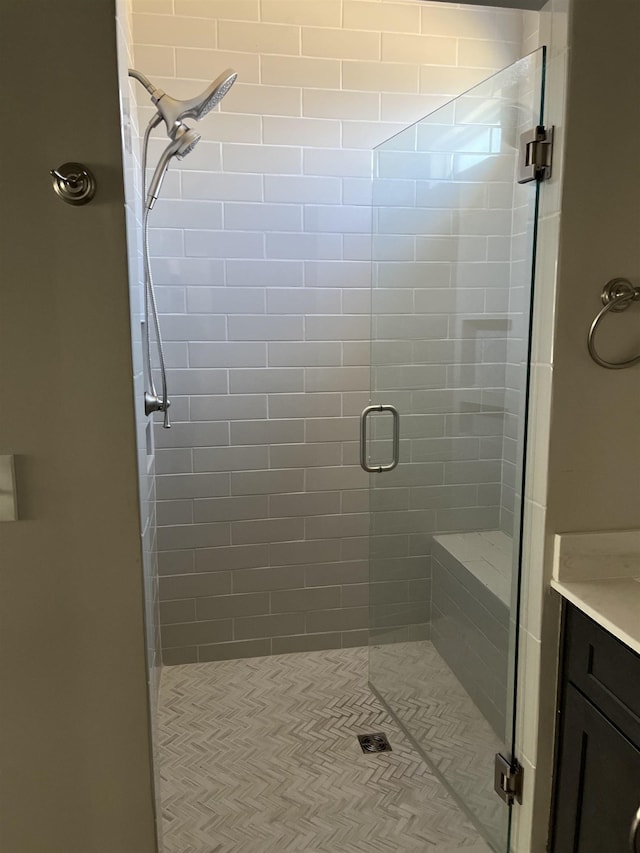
{"x": 173, "y": 111}
{"x": 203, "y": 103}
{"x": 183, "y": 142}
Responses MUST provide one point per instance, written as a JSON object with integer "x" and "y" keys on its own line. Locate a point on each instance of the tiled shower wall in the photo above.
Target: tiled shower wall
{"x": 131, "y": 159}
{"x": 144, "y": 435}
{"x": 449, "y": 244}
{"x": 522, "y": 254}
{"x": 261, "y": 252}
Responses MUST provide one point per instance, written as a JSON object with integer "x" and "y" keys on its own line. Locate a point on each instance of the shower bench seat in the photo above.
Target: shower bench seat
{"x": 470, "y": 605}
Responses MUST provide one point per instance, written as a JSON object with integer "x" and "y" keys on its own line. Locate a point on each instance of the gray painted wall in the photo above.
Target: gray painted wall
{"x": 589, "y": 484}
{"x": 76, "y": 762}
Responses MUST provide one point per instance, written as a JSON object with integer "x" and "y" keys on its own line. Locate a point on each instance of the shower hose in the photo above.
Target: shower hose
{"x": 150, "y": 306}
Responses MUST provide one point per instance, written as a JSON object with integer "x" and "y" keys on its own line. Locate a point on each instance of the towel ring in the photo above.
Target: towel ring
{"x": 617, "y": 295}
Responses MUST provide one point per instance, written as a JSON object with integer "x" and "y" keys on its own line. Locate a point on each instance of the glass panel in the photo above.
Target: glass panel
{"x": 452, "y": 270}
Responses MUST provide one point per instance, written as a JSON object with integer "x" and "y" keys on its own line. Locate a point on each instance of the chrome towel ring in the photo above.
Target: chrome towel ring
{"x": 617, "y": 295}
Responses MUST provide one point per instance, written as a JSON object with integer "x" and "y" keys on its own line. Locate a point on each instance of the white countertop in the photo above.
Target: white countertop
{"x": 600, "y": 573}
{"x": 596, "y": 556}
{"x": 613, "y": 603}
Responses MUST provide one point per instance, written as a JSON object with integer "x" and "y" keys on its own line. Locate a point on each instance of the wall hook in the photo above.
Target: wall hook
{"x": 74, "y": 183}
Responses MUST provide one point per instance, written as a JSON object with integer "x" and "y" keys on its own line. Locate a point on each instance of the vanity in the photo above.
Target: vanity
{"x": 597, "y": 779}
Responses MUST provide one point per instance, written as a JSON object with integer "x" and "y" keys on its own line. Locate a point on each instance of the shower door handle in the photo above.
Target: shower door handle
{"x": 379, "y": 469}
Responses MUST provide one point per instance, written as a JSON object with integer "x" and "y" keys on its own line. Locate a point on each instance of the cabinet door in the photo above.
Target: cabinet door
{"x": 598, "y": 790}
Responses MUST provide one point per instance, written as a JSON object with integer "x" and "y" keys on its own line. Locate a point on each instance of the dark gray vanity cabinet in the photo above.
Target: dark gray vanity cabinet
{"x": 598, "y": 767}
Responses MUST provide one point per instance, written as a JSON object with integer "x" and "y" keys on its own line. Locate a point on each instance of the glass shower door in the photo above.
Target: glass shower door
{"x": 453, "y": 256}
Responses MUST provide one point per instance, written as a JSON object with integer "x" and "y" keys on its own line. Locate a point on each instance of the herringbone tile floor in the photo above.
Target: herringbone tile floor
{"x": 261, "y": 756}
{"x": 420, "y": 689}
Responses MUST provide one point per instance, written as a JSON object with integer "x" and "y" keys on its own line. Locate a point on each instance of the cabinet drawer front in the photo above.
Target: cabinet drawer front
{"x": 605, "y": 670}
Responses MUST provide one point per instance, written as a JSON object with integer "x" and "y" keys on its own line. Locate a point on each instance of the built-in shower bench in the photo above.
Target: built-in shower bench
{"x": 470, "y": 605}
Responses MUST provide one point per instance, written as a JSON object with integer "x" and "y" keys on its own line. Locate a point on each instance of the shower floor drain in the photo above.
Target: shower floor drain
{"x": 376, "y": 742}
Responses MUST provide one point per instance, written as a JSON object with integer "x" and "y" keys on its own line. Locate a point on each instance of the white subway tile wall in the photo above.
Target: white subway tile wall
{"x": 148, "y": 507}
{"x": 453, "y": 355}
{"x": 261, "y": 253}
{"x": 144, "y": 437}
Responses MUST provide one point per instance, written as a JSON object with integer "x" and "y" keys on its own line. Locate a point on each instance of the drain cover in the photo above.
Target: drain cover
{"x": 376, "y": 742}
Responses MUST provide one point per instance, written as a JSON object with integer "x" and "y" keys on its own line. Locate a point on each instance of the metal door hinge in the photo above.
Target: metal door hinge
{"x": 507, "y": 780}
{"x": 536, "y": 151}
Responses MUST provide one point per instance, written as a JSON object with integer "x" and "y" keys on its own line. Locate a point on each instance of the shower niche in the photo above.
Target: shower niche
{"x": 453, "y": 249}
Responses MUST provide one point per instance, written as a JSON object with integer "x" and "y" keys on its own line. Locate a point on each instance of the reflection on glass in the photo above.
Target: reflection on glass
{"x": 452, "y": 260}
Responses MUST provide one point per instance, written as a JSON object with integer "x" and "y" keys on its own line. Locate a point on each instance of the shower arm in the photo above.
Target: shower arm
{"x": 155, "y": 93}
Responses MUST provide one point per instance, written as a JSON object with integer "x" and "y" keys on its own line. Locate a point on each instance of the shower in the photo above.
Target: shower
{"x": 324, "y": 278}
{"x": 183, "y": 140}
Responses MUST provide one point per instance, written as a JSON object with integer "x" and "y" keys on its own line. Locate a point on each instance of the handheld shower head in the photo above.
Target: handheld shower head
{"x": 184, "y": 141}
{"x": 173, "y": 111}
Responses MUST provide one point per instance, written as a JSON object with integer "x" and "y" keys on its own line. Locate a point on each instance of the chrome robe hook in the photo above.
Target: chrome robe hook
{"x": 74, "y": 183}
